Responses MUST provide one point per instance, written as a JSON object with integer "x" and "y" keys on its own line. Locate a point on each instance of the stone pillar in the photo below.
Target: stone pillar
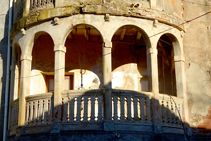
{"x": 24, "y": 87}
{"x": 107, "y": 80}
{"x": 181, "y": 84}
{"x": 59, "y": 73}
{"x": 152, "y": 66}
{"x": 153, "y": 4}
{"x": 26, "y": 8}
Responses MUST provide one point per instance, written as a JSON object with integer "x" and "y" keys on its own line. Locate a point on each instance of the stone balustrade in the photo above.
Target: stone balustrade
{"x": 171, "y": 108}
{"x": 82, "y": 106}
{"x": 129, "y": 106}
{"x": 39, "y": 109}
{"x": 84, "y": 110}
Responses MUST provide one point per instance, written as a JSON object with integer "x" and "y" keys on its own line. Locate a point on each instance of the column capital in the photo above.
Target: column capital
{"x": 179, "y": 58}
{"x": 107, "y": 44}
{"x": 60, "y": 48}
{"x": 26, "y": 57}
{"x": 152, "y": 51}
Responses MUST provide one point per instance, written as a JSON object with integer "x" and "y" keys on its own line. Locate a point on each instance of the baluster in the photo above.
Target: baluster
{"x": 122, "y": 101}
{"x": 50, "y": 104}
{"x": 31, "y": 112}
{"x": 31, "y": 4}
{"x": 135, "y": 109}
{"x": 78, "y": 117}
{"x": 172, "y": 113}
{"x": 179, "y": 110}
{"x": 115, "y": 108}
{"x": 35, "y": 3}
{"x": 35, "y": 112}
{"x": 148, "y": 110}
{"x": 85, "y": 108}
{"x": 162, "y": 111}
{"x": 92, "y": 108}
{"x": 142, "y": 110}
{"x": 65, "y": 101}
{"x": 45, "y": 114}
{"x": 96, "y": 109}
{"x": 71, "y": 101}
{"x": 39, "y": 3}
{"x": 166, "y": 112}
{"x": 100, "y": 99}
{"x": 40, "y": 111}
{"x": 27, "y": 113}
{"x": 129, "y": 108}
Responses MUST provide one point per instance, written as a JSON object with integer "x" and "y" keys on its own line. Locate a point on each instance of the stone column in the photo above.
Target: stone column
{"x": 59, "y": 73}
{"x": 24, "y": 87}
{"x": 107, "y": 80}
{"x": 152, "y": 66}
{"x": 26, "y": 8}
{"x": 181, "y": 84}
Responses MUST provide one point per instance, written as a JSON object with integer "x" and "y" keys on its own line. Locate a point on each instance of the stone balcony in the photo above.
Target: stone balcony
{"x": 85, "y": 110}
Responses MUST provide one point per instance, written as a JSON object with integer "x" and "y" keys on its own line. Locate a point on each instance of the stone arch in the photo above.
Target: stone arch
{"x": 142, "y": 31}
{"x": 175, "y": 42}
{"x": 129, "y": 58}
{"x": 27, "y": 51}
{"x": 42, "y": 61}
{"x": 84, "y": 52}
{"x": 75, "y": 26}
{"x": 168, "y": 48}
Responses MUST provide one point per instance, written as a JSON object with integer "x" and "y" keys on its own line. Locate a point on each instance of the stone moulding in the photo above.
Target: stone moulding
{"x": 48, "y": 14}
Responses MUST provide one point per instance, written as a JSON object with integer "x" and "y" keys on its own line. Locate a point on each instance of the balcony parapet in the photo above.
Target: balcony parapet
{"x": 84, "y": 110}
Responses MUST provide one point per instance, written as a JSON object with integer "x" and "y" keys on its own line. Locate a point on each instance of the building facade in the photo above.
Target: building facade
{"x": 120, "y": 69}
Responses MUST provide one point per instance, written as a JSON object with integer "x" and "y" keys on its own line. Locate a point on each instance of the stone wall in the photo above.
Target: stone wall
{"x": 4, "y": 15}
{"x": 198, "y": 62}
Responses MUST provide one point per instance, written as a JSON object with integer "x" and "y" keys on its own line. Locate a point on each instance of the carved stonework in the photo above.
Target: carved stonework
{"x": 56, "y": 21}
{"x": 107, "y": 17}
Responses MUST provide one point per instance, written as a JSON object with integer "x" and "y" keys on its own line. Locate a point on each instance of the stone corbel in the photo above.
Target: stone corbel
{"x": 107, "y": 19}
{"x": 155, "y": 23}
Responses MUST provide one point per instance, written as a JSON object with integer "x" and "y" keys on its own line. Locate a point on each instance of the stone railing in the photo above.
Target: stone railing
{"x": 14, "y": 112}
{"x": 39, "y": 109}
{"x": 84, "y": 110}
{"x": 171, "y": 107}
{"x": 131, "y": 106}
{"x": 82, "y": 106}
{"x": 41, "y": 4}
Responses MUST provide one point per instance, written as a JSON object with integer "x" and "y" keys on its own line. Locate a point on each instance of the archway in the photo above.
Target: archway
{"x": 83, "y": 58}
{"x": 129, "y": 59}
{"x": 166, "y": 65}
{"x": 42, "y": 63}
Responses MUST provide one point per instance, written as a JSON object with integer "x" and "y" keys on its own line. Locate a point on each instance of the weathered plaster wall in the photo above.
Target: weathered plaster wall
{"x": 3, "y": 56}
{"x": 197, "y": 51}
